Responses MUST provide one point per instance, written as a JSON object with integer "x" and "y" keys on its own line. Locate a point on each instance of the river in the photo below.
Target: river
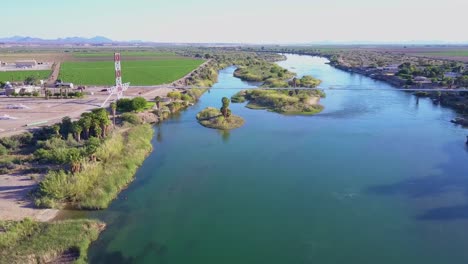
{"x": 374, "y": 178}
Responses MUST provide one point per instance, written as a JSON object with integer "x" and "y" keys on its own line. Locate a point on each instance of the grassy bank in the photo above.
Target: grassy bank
{"x": 98, "y": 183}
{"x": 58, "y": 242}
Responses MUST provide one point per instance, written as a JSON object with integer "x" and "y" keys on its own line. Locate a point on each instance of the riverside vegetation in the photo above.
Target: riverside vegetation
{"x": 260, "y": 67}
{"x": 28, "y": 241}
{"x": 222, "y": 119}
{"x": 409, "y": 71}
{"x": 82, "y": 164}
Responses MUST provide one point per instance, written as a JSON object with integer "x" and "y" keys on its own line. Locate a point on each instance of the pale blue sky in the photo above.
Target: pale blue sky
{"x": 259, "y": 21}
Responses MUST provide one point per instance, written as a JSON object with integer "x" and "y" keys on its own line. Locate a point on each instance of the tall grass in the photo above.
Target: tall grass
{"x": 28, "y": 241}
{"x": 98, "y": 183}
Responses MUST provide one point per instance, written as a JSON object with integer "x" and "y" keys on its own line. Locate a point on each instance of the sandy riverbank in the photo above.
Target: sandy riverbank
{"x": 15, "y": 203}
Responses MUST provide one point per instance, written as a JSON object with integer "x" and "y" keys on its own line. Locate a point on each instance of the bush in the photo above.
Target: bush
{"x": 11, "y": 143}
{"x": 138, "y": 103}
{"x": 186, "y": 98}
{"x": 129, "y": 105}
{"x": 131, "y": 118}
{"x": 35, "y": 93}
{"x": 3, "y": 150}
{"x": 174, "y": 95}
{"x": 124, "y": 105}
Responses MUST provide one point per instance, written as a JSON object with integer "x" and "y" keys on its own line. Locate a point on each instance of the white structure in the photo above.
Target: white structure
{"x": 119, "y": 87}
{"x": 26, "y": 63}
{"x": 21, "y": 89}
{"x": 68, "y": 85}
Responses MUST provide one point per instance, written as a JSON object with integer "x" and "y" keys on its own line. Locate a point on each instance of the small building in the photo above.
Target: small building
{"x": 64, "y": 85}
{"x": 26, "y": 63}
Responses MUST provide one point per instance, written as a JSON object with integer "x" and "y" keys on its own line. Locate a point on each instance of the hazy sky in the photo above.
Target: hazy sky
{"x": 260, "y": 21}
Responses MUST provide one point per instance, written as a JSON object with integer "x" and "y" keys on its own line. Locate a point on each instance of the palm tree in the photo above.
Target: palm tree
{"x": 56, "y": 129}
{"x": 76, "y": 129}
{"x": 158, "y": 100}
{"x": 86, "y": 122}
{"x": 113, "y": 107}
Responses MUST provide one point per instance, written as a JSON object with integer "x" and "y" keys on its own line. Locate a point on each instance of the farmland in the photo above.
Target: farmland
{"x": 21, "y": 75}
{"x": 144, "y": 72}
{"x": 92, "y": 54}
{"x": 450, "y": 53}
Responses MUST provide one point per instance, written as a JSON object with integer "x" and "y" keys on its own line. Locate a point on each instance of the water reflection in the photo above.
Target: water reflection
{"x": 225, "y": 135}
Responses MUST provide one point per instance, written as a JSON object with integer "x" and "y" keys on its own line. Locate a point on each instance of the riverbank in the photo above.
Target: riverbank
{"x": 338, "y": 159}
{"x": 32, "y": 242}
{"x": 418, "y": 73}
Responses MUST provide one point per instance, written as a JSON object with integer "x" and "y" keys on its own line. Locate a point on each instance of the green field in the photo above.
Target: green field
{"x": 14, "y": 76}
{"x": 149, "y": 72}
{"x": 125, "y": 53}
{"x": 449, "y": 53}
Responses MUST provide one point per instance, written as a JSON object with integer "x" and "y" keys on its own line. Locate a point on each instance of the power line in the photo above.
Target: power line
{"x": 331, "y": 88}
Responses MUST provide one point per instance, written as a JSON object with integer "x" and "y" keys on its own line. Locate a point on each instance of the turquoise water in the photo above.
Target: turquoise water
{"x": 374, "y": 178}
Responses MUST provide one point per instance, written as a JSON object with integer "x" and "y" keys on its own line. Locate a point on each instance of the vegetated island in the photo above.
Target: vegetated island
{"x": 290, "y": 102}
{"x": 222, "y": 119}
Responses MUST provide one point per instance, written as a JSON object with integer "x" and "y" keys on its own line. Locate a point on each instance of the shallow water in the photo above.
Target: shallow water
{"x": 374, "y": 178}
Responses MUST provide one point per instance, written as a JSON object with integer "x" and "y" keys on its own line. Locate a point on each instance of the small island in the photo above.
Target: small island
{"x": 290, "y": 102}
{"x": 222, "y": 119}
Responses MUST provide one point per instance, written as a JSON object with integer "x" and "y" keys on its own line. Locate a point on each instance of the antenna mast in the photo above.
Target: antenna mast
{"x": 119, "y": 87}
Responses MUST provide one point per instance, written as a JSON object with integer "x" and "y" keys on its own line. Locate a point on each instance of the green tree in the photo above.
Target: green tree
{"x": 225, "y": 111}
{"x": 65, "y": 127}
{"x": 138, "y": 103}
{"x": 76, "y": 129}
{"x": 102, "y": 118}
{"x": 86, "y": 122}
{"x": 56, "y": 128}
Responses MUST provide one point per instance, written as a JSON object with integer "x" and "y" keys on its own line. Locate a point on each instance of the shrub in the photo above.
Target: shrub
{"x": 124, "y": 105}
{"x": 186, "y": 98}
{"x": 174, "y": 95}
{"x": 3, "y": 150}
{"x": 129, "y": 105}
{"x": 131, "y": 118}
{"x": 138, "y": 103}
{"x": 10, "y": 142}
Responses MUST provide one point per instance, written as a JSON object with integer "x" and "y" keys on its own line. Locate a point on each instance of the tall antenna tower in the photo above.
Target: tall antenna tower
{"x": 119, "y": 87}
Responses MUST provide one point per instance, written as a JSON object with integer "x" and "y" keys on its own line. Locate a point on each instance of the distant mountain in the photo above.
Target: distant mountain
{"x": 21, "y": 39}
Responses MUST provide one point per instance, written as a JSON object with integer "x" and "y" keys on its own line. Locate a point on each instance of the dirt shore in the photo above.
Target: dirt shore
{"x": 15, "y": 203}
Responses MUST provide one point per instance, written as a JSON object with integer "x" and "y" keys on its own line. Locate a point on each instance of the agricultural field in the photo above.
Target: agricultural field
{"x": 137, "y": 72}
{"x": 92, "y": 54}
{"x": 450, "y": 53}
{"x": 16, "y": 76}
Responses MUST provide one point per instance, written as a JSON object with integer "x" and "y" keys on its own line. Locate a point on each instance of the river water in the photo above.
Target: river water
{"x": 374, "y": 178}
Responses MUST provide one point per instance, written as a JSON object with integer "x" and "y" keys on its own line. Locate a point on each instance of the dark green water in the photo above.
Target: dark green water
{"x": 375, "y": 178}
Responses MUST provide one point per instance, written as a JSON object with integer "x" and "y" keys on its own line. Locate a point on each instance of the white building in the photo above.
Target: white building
{"x": 26, "y": 63}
